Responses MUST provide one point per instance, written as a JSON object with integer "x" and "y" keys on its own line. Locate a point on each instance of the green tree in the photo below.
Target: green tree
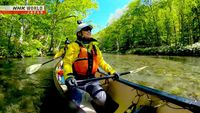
{"x": 154, "y": 23}
{"x": 33, "y": 35}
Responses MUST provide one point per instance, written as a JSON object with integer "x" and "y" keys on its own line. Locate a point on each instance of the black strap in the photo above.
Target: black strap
{"x": 95, "y": 49}
{"x": 79, "y": 43}
{"x": 95, "y": 93}
{"x": 90, "y": 64}
{"x": 132, "y": 107}
{"x": 65, "y": 48}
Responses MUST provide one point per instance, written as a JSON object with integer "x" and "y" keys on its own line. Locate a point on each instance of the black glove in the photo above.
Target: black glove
{"x": 116, "y": 76}
{"x": 71, "y": 82}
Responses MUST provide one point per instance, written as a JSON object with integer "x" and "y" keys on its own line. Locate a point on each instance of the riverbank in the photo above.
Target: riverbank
{"x": 190, "y": 50}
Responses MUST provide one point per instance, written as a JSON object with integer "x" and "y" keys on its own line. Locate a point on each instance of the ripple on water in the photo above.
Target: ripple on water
{"x": 24, "y": 93}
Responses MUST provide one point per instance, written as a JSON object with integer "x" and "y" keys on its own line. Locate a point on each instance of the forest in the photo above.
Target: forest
{"x": 41, "y": 35}
{"x": 160, "y": 27}
{"x": 155, "y": 27}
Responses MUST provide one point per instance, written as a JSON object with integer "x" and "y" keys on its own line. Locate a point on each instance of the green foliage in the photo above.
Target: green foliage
{"x": 163, "y": 23}
{"x": 36, "y": 35}
{"x": 190, "y": 50}
{"x": 31, "y": 49}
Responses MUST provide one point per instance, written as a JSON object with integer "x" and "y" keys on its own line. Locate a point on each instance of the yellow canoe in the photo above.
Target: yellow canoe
{"x": 128, "y": 97}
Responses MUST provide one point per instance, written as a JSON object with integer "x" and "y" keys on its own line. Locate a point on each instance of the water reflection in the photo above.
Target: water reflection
{"x": 20, "y": 92}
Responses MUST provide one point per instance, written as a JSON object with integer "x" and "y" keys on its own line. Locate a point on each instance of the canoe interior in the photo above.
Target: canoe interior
{"x": 123, "y": 98}
{"x": 129, "y": 99}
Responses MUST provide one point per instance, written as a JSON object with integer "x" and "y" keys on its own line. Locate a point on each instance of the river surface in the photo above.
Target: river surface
{"x": 22, "y": 93}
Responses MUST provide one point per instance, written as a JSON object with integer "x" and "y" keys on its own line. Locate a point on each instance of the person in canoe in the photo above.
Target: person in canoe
{"x": 82, "y": 59}
{"x": 61, "y": 53}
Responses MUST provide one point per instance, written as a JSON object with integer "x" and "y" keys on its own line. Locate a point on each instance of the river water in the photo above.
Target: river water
{"x": 20, "y": 93}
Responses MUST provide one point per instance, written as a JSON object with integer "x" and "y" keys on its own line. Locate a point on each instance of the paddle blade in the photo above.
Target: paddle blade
{"x": 139, "y": 69}
{"x": 33, "y": 68}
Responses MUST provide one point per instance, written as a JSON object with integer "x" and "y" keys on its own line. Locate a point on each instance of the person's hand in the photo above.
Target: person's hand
{"x": 116, "y": 76}
{"x": 71, "y": 82}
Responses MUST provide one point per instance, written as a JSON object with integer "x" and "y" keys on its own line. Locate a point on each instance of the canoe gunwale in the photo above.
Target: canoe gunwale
{"x": 186, "y": 103}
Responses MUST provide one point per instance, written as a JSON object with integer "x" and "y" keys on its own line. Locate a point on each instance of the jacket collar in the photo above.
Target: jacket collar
{"x": 92, "y": 43}
{"x": 87, "y": 42}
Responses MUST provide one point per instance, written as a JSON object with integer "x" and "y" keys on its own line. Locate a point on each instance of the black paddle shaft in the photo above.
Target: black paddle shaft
{"x": 100, "y": 78}
{"x": 93, "y": 79}
{"x": 125, "y": 73}
{"x": 48, "y": 61}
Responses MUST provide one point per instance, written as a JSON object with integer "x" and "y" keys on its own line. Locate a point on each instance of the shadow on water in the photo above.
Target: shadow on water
{"x": 53, "y": 102}
{"x": 22, "y": 93}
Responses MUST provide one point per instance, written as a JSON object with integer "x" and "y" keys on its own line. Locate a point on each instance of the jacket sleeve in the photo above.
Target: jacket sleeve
{"x": 59, "y": 53}
{"x": 70, "y": 56}
{"x": 103, "y": 64}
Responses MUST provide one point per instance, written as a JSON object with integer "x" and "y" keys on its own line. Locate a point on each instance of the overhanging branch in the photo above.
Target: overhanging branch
{"x": 67, "y": 17}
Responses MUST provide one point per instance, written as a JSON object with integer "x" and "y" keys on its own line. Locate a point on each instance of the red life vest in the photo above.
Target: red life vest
{"x": 87, "y": 64}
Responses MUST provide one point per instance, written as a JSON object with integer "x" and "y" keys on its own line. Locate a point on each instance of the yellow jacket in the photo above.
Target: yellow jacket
{"x": 72, "y": 53}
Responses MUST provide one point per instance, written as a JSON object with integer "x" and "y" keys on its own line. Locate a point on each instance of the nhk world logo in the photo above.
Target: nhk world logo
{"x": 26, "y": 9}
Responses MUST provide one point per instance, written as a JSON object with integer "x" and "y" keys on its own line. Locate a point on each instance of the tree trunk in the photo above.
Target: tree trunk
{"x": 9, "y": 41}
{"x": 51, "y": 47}
{"x": 158, "y": 43}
